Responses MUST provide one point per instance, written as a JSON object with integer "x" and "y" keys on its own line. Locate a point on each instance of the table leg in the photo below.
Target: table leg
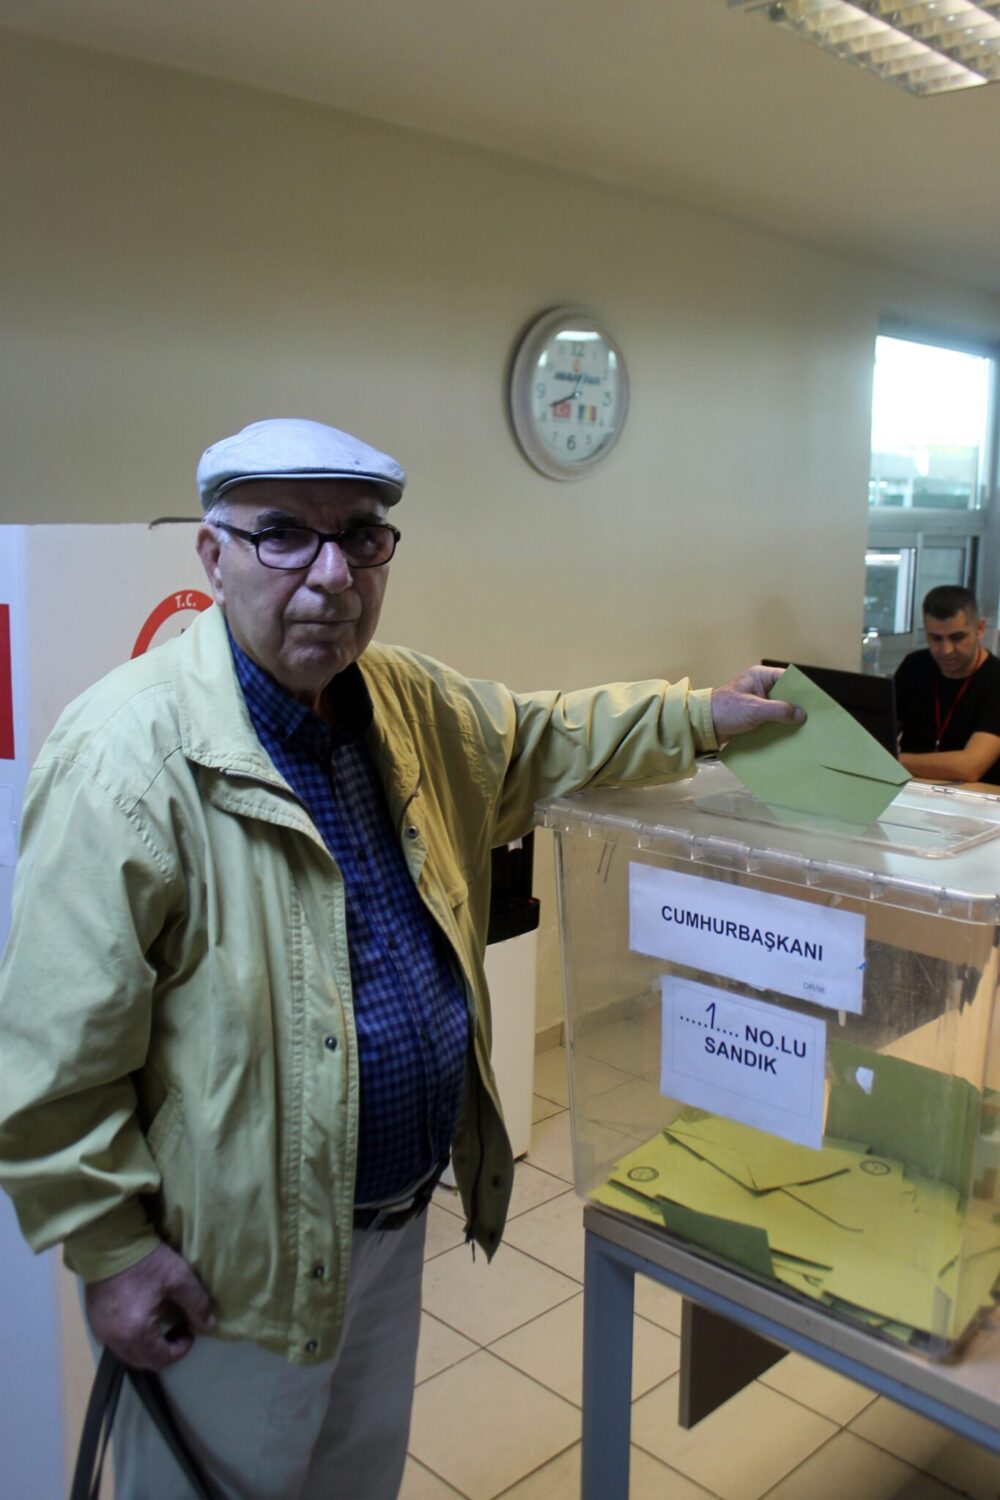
{"x": 608, "y": 1296}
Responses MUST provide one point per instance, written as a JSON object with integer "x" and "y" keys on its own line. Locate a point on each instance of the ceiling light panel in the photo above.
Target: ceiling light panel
{"x": 926, "y": 46}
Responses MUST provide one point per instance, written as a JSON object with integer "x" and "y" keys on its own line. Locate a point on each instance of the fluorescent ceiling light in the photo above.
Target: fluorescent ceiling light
{"x": 926, "y": 46}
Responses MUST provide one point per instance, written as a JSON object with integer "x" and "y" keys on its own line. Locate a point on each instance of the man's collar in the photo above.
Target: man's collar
{"x": 346, "y": 700}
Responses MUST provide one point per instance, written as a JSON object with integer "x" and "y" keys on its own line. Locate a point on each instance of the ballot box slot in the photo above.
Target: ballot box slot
{"x": 905, "y": 827}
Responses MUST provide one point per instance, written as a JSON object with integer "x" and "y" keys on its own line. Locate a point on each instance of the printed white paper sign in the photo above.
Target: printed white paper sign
{"x": 772, "y": 942}
{"x": 743, "y": 1059}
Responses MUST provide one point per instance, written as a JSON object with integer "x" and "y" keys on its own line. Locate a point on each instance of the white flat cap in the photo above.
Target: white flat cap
{"x": 295, "y": 448}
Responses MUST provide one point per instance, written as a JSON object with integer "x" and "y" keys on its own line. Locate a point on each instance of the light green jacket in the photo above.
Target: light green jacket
{"x": 177, "y": 1044}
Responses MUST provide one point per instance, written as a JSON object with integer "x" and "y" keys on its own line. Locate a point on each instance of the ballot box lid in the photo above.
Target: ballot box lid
{"x": 934, "y": 849}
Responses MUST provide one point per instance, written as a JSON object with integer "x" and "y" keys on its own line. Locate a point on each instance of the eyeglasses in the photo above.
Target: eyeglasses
{"x": 291, "y": 547}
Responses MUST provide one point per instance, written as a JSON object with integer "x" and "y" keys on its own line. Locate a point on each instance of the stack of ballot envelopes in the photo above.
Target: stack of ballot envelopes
{"x": 871, "y": 1236}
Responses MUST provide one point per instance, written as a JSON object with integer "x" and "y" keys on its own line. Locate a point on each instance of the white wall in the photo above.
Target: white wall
{"x": 180, "y": 257}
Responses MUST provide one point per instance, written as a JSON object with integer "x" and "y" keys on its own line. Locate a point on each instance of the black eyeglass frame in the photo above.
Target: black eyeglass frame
{"x": 322, "y": 537}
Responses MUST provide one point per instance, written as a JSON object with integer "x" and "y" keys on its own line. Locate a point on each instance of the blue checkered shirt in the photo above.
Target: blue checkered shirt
{"x": 409, "y": 1006}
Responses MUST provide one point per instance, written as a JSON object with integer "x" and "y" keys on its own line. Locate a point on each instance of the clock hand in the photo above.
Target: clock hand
{"x": 573, "y": 393}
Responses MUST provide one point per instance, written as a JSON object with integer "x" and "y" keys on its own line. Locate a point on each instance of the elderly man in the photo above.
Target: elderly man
{"x": 948, "y": 696}
{"x": 243, "y": 1005}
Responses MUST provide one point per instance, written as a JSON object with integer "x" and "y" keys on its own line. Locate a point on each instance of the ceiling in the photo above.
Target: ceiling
{"x": 683, "y": 99}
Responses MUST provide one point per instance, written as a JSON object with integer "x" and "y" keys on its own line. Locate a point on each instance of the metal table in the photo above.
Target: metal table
{"x": 758, "y": 1325}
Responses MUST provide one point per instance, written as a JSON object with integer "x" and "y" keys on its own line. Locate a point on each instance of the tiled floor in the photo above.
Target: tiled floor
{"x": 497, "y": 1409}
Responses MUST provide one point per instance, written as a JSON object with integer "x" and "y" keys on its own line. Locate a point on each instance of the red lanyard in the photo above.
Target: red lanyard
{"x": 939, "y": 728}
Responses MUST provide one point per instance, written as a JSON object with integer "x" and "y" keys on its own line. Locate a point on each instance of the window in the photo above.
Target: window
{"x": 889, "y": 589}
{"x": 930, "y": 421}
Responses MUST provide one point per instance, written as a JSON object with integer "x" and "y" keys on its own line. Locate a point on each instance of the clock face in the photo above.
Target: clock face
{"x": 569, "y": 394}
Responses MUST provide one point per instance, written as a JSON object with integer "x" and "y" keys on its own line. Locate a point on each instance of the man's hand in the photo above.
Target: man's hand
{"x": 743, "y": 704}
{"x": 149, "y": 1314}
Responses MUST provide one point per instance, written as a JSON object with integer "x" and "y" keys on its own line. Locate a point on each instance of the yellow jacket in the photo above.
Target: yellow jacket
{"x": 177, "y": 1049}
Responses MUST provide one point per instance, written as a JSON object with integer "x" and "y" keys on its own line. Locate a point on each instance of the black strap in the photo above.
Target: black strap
{"x": 101, "y": 1408}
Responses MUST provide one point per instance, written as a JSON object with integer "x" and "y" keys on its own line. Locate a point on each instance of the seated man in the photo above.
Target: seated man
{"x": 948, "y": 697}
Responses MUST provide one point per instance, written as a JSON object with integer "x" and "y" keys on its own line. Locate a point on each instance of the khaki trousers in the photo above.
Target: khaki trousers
{"x": 265, "y": 1429}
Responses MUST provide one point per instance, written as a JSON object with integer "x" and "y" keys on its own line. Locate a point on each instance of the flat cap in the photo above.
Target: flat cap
{"x": 294, "y": 448}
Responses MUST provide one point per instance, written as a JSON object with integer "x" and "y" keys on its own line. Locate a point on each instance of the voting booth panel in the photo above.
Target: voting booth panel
{"x": 783, "y": 1041}
{"x": 75, "y": 601}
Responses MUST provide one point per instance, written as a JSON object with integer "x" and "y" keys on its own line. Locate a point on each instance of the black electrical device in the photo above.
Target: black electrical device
{"x": 513, "y": 909}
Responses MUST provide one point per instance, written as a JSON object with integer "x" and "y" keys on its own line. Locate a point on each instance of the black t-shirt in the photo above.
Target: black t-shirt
{"x": 977, "y": 711}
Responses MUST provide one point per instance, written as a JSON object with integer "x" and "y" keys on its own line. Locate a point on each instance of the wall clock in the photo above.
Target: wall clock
{"x": 568, "y": 393}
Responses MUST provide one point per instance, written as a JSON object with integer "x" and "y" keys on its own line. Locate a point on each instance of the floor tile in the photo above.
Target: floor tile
{"x": 439, "y": 1347}
{"x": 551, "y": 1078}
{"x": 483, "y": 1426}
{"x": 551, "y": 1146}
{"x": 590, "y": 1075}
{"x": 740, "y": 1451}
{"x": 648, "y": 1480}
{"x": 541, "y": 1108}
{"x": 486, "y": 1300}
{"x": 420, "y": 1484}
{"x": 954, "y": 1460}
{"x": 636, "y": 1107}
{"x": 659, "y": 1303}
{"x": 532, "y": 1187}
{"x": 552, "y": 1233}
{"x": 450, "y": 1199}
{"x": 444, "y": 1231}
{"x": 628, "y": 1045}
{"x": 820, "y": 1389}
{"x": 550, "y": 1349}
{"x": 848, "y": 1467}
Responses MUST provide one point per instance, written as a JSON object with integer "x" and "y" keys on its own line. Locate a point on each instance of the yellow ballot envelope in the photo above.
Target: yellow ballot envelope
{"x": 829, "y": 765}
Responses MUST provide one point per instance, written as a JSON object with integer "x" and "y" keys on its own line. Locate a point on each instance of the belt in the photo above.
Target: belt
{"x": 395, "y": 1215}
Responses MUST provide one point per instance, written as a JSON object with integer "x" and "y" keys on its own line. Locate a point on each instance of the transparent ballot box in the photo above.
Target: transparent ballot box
{"x": 783, "y": 1041}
